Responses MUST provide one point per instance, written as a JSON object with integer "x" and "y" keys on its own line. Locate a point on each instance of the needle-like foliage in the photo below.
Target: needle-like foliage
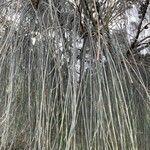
{"x": 66, "y": 82}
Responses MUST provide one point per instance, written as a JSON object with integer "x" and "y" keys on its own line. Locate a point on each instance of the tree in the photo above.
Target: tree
{"x": 72, "y": 77}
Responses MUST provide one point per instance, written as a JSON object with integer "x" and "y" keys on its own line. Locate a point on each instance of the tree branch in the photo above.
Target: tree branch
{"x": 134, "y": 43}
